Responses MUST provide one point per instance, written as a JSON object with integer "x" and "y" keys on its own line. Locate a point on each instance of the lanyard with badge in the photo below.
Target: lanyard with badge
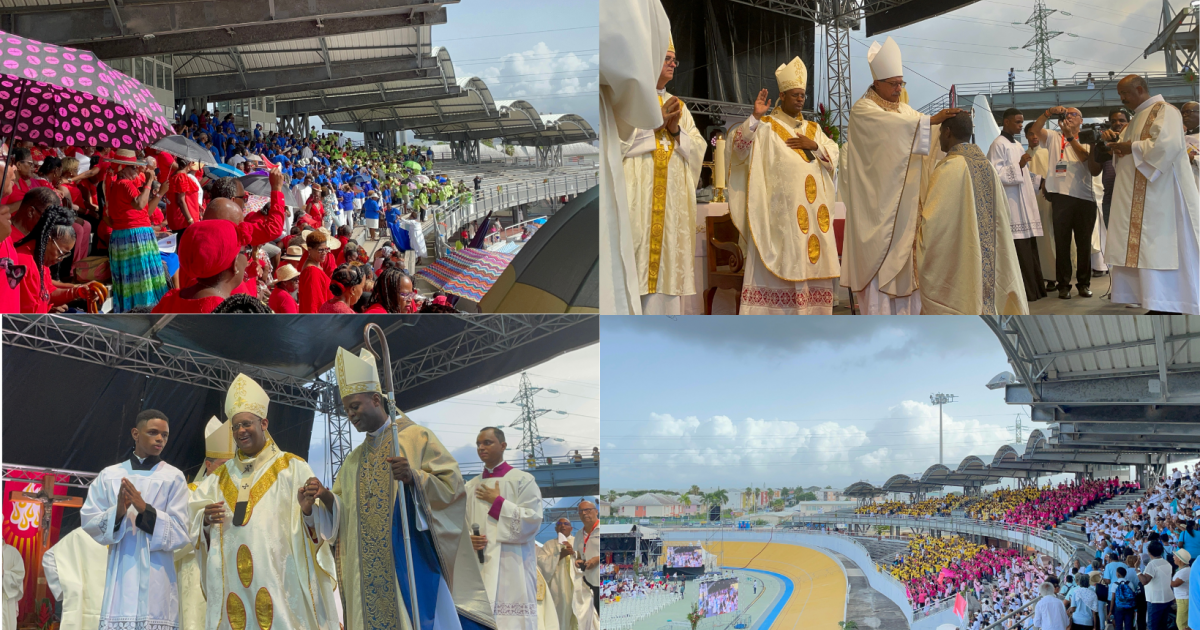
{"x": 1060, "y": 168}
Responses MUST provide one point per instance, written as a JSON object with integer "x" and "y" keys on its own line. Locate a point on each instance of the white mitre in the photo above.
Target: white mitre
{"x": 792, "y": 75}
{"x": 356, "y": 374}
{"x": 218, "y": 439}
{"x": 246, "y": 395}
{"x": 885, "y": 60}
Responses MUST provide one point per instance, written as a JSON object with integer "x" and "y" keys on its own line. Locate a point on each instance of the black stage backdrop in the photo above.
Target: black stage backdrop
{"x": 65, "y": 413}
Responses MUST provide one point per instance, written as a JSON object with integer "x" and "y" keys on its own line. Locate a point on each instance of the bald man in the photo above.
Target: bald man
{"x": 254, "y": 229}
{"x": 555, "y": 562}
{"x": 1072, "y": 165}
{"x": 587, "y": 549}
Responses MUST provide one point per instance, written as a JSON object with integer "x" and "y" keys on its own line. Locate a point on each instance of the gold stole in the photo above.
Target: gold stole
{"x": 810, "y": 132}
{"x": 1134, "y": 246}
{"x": 658, "y": 205}
{"x": 377, "y": 565}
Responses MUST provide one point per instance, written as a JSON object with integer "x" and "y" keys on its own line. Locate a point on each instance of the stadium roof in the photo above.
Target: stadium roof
{"x": 472, "y": 101}
{"x": 386, "y": 95}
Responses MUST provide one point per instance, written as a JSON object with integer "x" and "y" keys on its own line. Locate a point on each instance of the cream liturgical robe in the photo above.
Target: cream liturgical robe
{"x": 74, "y": 570}
{"x": 1193, "y": 153}
{"x": 547, "y": 613}
{"x": 139, "y": 585}
{"x": 190, "y": 579}
{"x": 661, "y": 173}
{"x": 966, "y": 259}
{"x": 634, "y": 35}
{"x": 1039, "y": 165}
{"x": 1154, "y": 221}
{"x": 890, "y": 160}
{"x": 14, "y": 585}
{"x": 561, "y": 581}
{"x": 510, "y": 559}
{"x": 262, "y": 570}
{"x": 785, "y": 215}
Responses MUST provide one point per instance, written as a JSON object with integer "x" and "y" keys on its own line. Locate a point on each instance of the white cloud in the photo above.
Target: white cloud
{"x": 553, "y": 81}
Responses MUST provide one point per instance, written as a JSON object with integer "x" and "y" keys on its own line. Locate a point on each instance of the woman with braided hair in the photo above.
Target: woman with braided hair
{"x": 49, "y": 243}
{"x": 346, "y": 286}
{"x": 242, "y": 303}
{"x": 393, "y": 293}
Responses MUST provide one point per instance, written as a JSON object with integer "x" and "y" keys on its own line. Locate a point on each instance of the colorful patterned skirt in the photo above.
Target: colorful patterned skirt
{"x": 138, "y": 277}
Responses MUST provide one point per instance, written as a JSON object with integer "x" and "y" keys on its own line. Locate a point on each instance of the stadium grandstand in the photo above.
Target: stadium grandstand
{"x": 270, "y": 69}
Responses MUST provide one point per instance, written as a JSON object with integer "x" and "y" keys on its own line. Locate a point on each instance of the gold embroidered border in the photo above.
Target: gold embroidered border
{"x": 260, "y": 488}
{"x": 786, "y": 135}
{"x": 658, "y": 203}
{"x": 882, "y": 102}
{"x": 1133, "y": 247}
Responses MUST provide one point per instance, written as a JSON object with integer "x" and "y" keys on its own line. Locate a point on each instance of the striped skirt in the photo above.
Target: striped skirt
{"x": 138, "y": 277}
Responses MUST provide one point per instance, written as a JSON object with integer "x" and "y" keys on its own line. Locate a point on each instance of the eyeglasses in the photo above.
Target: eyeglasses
{"x": 671, "y": 61}
{"x": 896, "y": 84}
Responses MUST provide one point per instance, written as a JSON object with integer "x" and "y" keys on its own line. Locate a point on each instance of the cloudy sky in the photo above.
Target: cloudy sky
{"x": 786, "y": 401}
{"x": 575, "y": 376}
{"x": 971, "y": 45}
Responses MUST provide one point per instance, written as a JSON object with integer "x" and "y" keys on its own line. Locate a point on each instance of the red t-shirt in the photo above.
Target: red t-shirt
{"x": 120, "y": 194}
{"x": 330, "y": 264}
{"x": 20, "y": 187}
{"x": 375, "y": 309}
{"x": 181, "y": 183}
{"x": 282, "y": 302}
{"x": 314, "y": 289}
{"x": 33, "y": 292}
{"x": 173, "y": 303}
{"x": 335, "y": 305}
{"x": 10, "y": 297}
{"x": 76, "y": 196}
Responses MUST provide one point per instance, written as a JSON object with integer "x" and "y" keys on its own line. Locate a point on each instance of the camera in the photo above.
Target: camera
{"x": 1090, "y": 133}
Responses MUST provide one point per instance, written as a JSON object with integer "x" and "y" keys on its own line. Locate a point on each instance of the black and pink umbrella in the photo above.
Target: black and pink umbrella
{"x": 62, "y": 96}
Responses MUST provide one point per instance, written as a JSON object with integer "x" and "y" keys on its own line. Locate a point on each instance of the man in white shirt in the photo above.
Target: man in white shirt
{"x": 1071, "y": 168}
{"x": 1050, "y": 613}
{"x": 1156, "y": 578}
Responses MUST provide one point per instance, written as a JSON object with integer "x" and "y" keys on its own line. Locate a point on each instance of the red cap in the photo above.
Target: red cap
{"x": 208, "y": 248}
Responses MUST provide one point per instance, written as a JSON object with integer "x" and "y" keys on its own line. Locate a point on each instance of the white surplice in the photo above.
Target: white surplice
{"x": 510, "y": 559}
{"x": 560, "y": 580}
{"x": 267, "y": 571}
{"x": 14, "y": 584}
{"x": 634, "y": 35}
{"x": 891, "y": 157}
{"x": 1154, "y": 221}
{"x": 74, "y": 570}
{"x": 139, "y": 586}
{"x": 1024, "y": 219}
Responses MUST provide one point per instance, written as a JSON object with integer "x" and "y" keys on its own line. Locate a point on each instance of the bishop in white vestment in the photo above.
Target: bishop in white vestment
{"x": 891, "y": 157}
{"x": 556, "y": 562}
{"x": 781, "y": 201}
{"x": 193, "y": 608}
{"x": 634, "y": 35}
{"x": 138, "y": 509}
{"x": 506, "y": 505}
{"x": 547, "y": 613}
{"x": 263, "y": 568}
{"x": 662, "y": 168}
{"x": 74, "y": 571}
{"x": 14, "y": 585}
{"x": 1009, "y": 159}
{"x": 1154, "y": 223}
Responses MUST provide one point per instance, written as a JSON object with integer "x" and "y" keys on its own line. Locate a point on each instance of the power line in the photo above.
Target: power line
{"x": 552, "y": 30}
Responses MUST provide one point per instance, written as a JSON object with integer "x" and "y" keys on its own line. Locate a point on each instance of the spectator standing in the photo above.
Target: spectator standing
{"x": 1123, "y": 602}
{"x": 1091, "y": 85}
{"x": 1084, "y": 605}
{"x": 1050, "y": 613}
{"x": 1156, "y": 578}
{"x": 478, "y": 182}
{"x": 1180, "y": 586}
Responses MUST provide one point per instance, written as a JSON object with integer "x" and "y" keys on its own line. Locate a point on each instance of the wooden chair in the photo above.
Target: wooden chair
{"x": 726, "y": 261}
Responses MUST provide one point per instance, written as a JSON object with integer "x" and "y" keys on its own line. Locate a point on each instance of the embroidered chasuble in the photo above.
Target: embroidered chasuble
{"x": 561, "y": 581}
{"x": 661, "y": 173}
{"x": 365, "y": 521}
{"x": 782, "y": 204}
{"x": 510, "y": 559}
{"x": 966, "y": 258}
{"x": 1154, "y": 220}
{"x": 190, "y": 577}
{"x": 547, "y": 613}
{"x": 74, "y": 571}
{"x": 891, "y": 155}
{"x": 261, "y": 568}
{"x": 139, "y": 585}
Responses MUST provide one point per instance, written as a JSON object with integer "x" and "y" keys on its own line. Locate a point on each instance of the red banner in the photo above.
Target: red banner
{"x": 960, "y": 606}
{"x": 22, "y": 522}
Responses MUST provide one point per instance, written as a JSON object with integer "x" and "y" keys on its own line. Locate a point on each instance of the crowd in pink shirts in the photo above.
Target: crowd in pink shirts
{"x": 1056, "y": 505}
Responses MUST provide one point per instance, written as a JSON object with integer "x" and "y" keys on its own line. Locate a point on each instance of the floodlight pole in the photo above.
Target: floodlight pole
{"x": 939, "y": 400}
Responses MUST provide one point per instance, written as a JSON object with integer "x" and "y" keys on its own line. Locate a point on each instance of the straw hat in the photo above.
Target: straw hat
{"x": 286, "y": 272}
{"x": 128, "y": 157}
{"x": 294, "y": 252}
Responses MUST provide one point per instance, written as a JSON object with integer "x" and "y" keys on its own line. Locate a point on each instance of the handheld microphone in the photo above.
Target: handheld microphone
{"x": 475, "y": 530}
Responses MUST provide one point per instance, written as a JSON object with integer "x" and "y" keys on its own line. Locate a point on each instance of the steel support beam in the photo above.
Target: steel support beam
{"x": 393, "y": 124}
{"x": 160, "y": 27}
{"x": 305, "y": 78}
{"x": 1118, "y": 390}
{"x": 375, "y": 98}
{"x": 1114, "y": 413}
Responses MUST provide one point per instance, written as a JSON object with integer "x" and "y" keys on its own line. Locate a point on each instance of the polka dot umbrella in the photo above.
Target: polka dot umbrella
{"x": 63, "y": 96}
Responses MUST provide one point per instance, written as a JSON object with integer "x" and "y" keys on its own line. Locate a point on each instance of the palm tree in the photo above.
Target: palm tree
{"x": 694, "y": 489}
{"x": 748, "y": 499}
{"x": 686, "y": 500}
{"x": 720, "y": 497}
{"x": 612, "y": 496}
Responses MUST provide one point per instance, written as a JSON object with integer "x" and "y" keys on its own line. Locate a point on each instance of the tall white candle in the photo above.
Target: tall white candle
{"x": 719, "y": 163}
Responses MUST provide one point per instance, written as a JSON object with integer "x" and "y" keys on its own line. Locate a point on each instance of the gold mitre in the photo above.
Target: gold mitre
{"x": 218, "y": 440}
{"x": 792, "y": 75}
{"x": 246, "y": 395}
{"x": 356, "y": 374}
{"x": 671, "y": 45}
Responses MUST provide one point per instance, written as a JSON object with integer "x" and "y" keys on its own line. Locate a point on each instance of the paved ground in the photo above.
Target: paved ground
{"x": 757, "y": 604}
{"x": 867, "y": 606}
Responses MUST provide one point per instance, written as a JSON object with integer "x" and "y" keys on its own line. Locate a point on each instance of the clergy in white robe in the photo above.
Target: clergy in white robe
{"x": 781, "y": 201}
{"x": 1011, "y": 162}
{"x": 138, "y": 509}
{"x": 1191, "y": 126}
{"x": 218, "y": 449}
{"x": 74, "y": 571}
{"x": 261, "y": 567}
{"x": 1039, "y": 161}
{"x": 14, "y": 584}
{"x": 361, "y": 512}
{"x": 505, "y": 505}
{"x": 555, "y": 560}
{"x": 547, "y": 613}
{"x": 1154, "y": 225}
{"x": 662, "y": 168}
{"x": 966, "y": 258}
{"x": 634, "y": 36}
{"x": 891, "y": 156}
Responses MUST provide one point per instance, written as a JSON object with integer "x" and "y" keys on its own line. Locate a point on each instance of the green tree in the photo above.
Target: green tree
{"x": 694, "y": 489}
{"x": 612, "y": 496}
{"x": 720, "y": 497}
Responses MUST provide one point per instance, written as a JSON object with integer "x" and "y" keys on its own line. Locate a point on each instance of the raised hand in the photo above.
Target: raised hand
{"x": 762, "y": 104}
